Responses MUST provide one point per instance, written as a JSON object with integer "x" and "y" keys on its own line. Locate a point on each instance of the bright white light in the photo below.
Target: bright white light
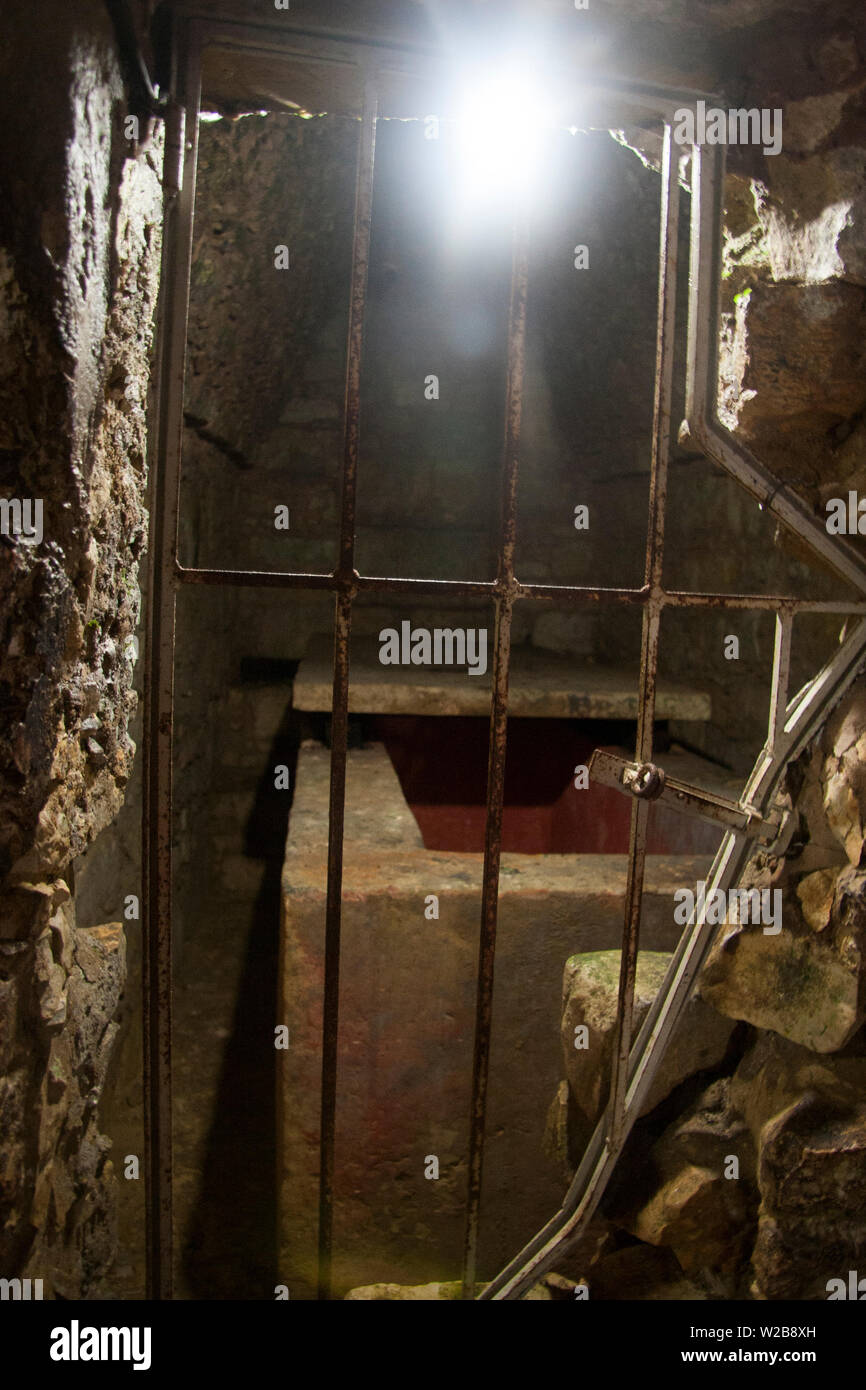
{"x": 500, "y": 126}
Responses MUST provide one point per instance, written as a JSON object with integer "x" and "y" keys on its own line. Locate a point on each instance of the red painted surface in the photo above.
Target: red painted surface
{"x": 442, "y": 766}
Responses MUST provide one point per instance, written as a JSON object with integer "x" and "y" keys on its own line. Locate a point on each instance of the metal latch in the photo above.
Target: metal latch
{"x": 651, "y": 783}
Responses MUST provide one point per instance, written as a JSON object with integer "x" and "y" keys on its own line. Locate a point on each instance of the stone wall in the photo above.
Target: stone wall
{"x": 79, "y": 256}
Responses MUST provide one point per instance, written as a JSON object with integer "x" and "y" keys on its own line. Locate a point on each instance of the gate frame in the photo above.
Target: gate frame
{"x": 791, "y": 724}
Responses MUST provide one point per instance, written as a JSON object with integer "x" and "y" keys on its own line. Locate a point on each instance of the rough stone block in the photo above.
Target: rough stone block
{"x": 819, "y": 374}
{"x": 689, "y": 1214}
{"x": 807, "y": 987}
{"x": 843, "y": 775}
{"x": 405, "y": 1055}
{"x": 589, "y": 998}
{"x": 807, "y": 1115}
{"x": 688, "y": 1198}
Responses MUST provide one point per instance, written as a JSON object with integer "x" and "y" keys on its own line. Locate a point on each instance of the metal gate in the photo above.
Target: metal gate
{"x": 791, "y": 724}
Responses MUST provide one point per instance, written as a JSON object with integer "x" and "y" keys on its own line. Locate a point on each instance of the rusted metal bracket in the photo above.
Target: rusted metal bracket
{"x": 647, "y": 780}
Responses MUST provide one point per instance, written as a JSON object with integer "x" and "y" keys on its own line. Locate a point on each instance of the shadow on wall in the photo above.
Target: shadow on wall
{"x": 229, "y": 1251}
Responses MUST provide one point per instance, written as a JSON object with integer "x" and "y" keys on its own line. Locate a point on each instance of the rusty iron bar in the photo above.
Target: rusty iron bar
{"x": 456, "y": 588}
{"x": 761, "y": 603}
{"x": 665, "y": 335}
{"x": 566, "y": 594}
{"x": 496, "y": 746}
{"x": 156, "y": 909}
{"x": 333, "y": 925}
{"x": 340, "y": 702}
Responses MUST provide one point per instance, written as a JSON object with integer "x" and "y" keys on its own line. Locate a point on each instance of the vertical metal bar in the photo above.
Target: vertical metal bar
{"x": 707, "y": 172}
{"x": 496, "y": 748}
{"x": 781, "y": 677}
{"x": 180, "y": 156}
{"x": 357, "y": 305}
{"x": 333, "y": 925}
{"x": 666, "y": 323}
{"x": 340, "y": 703}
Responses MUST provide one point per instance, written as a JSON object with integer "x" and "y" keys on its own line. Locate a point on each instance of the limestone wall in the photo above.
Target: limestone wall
{"x": 79, "y": 246}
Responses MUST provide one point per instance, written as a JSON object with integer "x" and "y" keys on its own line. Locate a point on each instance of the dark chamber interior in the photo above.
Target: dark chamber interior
{"x": 442, "y": 767}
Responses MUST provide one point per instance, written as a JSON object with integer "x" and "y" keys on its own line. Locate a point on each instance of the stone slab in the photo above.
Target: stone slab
{"x": 406, "y": 1029}
{"x": 542, "y": 685}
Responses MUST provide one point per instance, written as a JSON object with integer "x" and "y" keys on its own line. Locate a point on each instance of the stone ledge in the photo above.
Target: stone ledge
{"x": 542, "y": 685}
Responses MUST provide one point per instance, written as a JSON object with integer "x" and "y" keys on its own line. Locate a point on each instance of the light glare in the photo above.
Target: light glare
{"x": 499, "y": 132}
